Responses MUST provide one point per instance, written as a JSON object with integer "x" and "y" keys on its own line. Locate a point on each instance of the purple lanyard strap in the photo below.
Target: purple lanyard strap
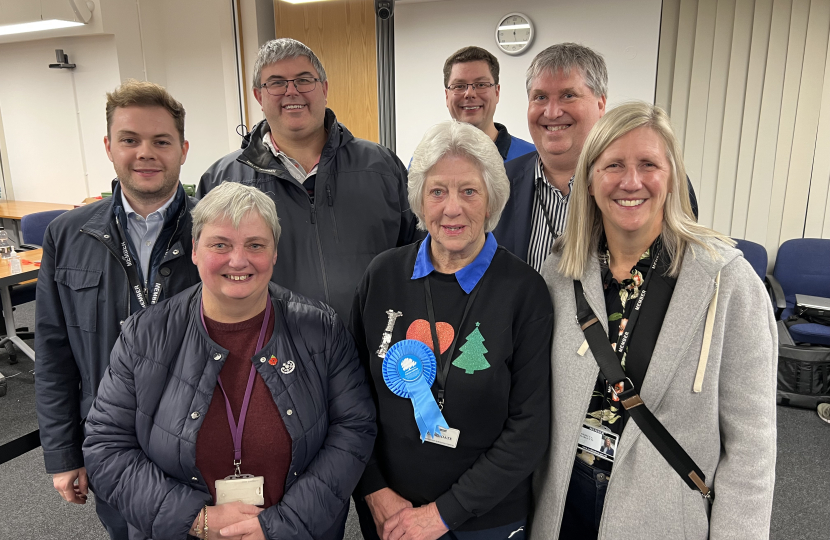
{"x": 236, "y": 431}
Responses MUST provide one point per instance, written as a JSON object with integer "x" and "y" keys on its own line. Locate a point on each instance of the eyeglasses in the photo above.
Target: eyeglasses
{"x": 279, "y": 87}
{"x": 479, "y": 87}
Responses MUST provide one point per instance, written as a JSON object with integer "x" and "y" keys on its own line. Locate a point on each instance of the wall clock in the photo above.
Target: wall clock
{"x": 514, "y": 33}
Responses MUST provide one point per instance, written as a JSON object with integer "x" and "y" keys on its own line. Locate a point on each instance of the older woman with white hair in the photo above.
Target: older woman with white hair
{"x": 455, "y": 333}
{"x": 669, "y": 432}
{"x": 235, "y": 409}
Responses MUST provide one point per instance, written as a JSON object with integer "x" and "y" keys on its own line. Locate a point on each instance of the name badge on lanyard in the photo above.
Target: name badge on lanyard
{"x": 245, "y": 488}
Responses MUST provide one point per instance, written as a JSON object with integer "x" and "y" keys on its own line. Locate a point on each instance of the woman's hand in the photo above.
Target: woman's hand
{"x": 250, "y": 529}
{"x": 422, "y": 523}
{"x": 385, "y": 503}
{"x": 224, "y": 516}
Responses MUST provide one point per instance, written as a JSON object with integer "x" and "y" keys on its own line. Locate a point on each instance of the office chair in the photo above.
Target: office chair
{"x": 32, "y": 229}
{"x": 802, "y": 266}
{"x": 755, "y": 254}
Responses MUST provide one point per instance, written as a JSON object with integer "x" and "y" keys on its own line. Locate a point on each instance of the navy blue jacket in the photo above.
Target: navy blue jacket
{"x": 140, "y": 449}
{"x": 513, "y": 230}
{"x": 83, "y": 297}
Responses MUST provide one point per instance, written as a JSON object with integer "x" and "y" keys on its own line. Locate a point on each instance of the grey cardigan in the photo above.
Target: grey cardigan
{"x": 728, "y": 427}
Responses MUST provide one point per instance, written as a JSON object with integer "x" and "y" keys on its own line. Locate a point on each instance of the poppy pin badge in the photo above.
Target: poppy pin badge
{"x": 273, "y": 360}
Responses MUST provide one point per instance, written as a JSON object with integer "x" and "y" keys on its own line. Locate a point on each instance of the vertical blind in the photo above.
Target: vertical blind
{"x": 747, "y": 85}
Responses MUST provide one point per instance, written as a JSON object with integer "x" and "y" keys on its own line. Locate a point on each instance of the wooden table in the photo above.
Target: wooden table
{"x": 7, "y": 279}
{"x": 17, "y": 209}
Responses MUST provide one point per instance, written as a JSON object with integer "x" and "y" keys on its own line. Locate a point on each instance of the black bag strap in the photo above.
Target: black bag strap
{"x": 651, "y": 427}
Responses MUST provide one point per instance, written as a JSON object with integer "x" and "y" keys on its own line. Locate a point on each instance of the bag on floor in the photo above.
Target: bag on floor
{"x": 803, "y": 375}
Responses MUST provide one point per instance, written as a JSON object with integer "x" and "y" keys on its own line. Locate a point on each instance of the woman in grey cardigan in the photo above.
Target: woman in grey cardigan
{"x": 700, "y": 349}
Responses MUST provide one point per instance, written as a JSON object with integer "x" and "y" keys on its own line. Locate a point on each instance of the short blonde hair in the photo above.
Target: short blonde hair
{"x": 234, "y": 201}
{"x": 453, "y": 138}
{"x": 584, "y": 225}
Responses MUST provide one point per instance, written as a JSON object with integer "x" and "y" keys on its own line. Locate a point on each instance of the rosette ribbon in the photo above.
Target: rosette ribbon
{"x": 409, "y": 371}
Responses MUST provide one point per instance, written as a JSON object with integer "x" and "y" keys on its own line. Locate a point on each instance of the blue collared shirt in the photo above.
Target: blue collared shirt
{"x": 143, "y": 232}
{"x": 469, "y": 276}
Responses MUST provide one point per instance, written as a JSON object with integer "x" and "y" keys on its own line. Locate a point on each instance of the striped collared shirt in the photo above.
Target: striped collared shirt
{"x": 550, "y": 211}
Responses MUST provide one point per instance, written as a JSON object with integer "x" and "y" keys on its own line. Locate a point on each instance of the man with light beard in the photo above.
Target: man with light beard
{"x": 103, "y": 262}
{"x": 471, "y": 87}
{"x": 567, "y": 85}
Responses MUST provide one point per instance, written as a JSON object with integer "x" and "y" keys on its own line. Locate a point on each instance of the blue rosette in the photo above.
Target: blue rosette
{"x": 409, "y": 371}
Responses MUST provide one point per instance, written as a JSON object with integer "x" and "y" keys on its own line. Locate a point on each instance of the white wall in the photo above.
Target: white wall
{"x": 186, "y": 45}
{"x": 45, "y": 148}
{"x": 625, "y": 33}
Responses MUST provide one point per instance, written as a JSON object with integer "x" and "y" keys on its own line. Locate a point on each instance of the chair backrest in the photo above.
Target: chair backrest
{"x": 803, "y": 266}
{"x": 755, "y": 254}
{"x": 33, "y": 226}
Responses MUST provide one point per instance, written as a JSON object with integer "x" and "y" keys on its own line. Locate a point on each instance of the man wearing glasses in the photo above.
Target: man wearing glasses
{"x": 342, "y": 200}
{"x": 471, "y": 86}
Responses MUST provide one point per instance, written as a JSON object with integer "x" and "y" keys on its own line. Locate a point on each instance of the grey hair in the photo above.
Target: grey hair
{"x": 584, "y": 226}
{"x": 234, "y": 201}
{"x": 280, "y": 49}
{"x": 453, "y": 138}
{"x": 568, "y": 56}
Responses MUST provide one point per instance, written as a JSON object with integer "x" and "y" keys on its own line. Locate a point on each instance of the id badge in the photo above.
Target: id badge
{"x": 447, "y": 437}
{"x": 598, "y": 442}
{"x": 245, "y": 488}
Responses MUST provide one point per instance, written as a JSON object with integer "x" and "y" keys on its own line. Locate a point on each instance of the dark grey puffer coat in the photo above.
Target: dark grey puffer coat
{"x": 140, "y": 449}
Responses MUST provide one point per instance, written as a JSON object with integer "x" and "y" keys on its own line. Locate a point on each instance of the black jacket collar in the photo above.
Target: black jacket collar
{"x": 255, "y": 152}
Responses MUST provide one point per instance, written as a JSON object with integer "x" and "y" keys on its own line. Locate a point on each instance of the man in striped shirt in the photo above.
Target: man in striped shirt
{"x": 567, "y": 85}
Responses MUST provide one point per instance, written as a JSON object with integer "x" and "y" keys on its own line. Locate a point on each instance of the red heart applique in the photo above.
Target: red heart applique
{"x": 419, "y": 329}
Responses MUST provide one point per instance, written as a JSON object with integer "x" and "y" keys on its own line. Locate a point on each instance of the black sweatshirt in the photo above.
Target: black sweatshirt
{"x": 502, "y": 411}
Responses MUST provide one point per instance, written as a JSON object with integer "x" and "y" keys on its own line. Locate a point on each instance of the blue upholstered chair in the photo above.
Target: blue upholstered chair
{"x": 32, "y": 229}
{"x": 755, "y": 254}
{"x": 802, "y": 267}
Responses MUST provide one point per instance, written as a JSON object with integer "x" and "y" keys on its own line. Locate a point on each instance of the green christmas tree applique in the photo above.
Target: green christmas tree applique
{"x": 473, "y": 350}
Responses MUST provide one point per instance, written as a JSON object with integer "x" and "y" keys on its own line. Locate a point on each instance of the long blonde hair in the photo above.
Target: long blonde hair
{"x": 584, "y": 225}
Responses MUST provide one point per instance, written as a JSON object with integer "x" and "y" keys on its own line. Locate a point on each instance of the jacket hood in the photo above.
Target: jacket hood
{"x": 712, "y": 265}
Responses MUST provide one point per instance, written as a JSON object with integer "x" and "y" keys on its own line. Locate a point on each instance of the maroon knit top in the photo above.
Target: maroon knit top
{"x": 266, "y": 444}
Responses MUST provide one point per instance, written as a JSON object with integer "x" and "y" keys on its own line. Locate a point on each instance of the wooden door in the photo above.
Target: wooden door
{"x": 342, "y": 34}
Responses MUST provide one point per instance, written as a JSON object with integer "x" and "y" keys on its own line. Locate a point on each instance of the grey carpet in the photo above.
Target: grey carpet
{"x": 30, "y": 508}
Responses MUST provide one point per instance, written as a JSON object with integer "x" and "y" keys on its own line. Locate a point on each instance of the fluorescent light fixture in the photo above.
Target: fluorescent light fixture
{"x": 36, "y": 26}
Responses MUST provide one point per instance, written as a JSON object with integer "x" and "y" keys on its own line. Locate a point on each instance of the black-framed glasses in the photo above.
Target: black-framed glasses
{"x": 279, "y": 87}
{"x": 479, "y": 87}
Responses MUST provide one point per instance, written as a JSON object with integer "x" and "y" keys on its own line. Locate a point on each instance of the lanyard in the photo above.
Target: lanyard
{"x": 545, "y": 214}
{"x": 444, "y": 366}
{"x": 634, "y": 316}
{"x": 132, "y": 273}
{"x": 236, "y": 430}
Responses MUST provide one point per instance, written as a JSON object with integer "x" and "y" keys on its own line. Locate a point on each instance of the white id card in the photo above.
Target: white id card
{"x": 598, "y": 442}
{"x": 447, "y": 437}
{"x": 245, "y": 488}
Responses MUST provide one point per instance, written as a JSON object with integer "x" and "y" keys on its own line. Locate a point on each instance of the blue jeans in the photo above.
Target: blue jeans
{"x": 512, "y": 531}
{"x": 583, "y": 506}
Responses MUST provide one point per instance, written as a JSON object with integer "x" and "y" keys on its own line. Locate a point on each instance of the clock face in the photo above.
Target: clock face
{"x": 514, "y": 33}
